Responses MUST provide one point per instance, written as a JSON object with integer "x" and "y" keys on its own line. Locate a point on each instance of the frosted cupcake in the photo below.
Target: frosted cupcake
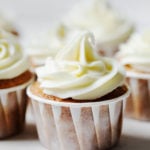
{"x": 48, "y": 44}
{"x": 78, "y": 98}
{"x": 7, "y": 25}
{"x": 14, "y": 78}
{"x": 109, "y": 28}
{"x": 135, "y": 56}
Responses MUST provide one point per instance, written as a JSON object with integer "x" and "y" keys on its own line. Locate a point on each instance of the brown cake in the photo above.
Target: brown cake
{"x": 21, "y": 79}
{"x": 36, "y": 90}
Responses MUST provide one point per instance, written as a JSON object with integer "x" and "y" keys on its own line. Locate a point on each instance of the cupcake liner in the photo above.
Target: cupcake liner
{"x": 12, "y": 110}
{"x": 138, "y": 103}
{"x": 78, "y": 126}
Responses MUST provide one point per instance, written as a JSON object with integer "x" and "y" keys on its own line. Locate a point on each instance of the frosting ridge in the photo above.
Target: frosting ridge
{"x": 78, "y": 72}
{"x": 12, "y": 60}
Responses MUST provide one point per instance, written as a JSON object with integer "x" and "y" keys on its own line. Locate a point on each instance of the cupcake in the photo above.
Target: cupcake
{"x": 135, "y": 56}
{"x": 14, "y": 78}
{"x": 78, "y": 98}
{"x": 7, "y": 25}
{"x": 109, "y": 28}
{"x": 48, "y": 44}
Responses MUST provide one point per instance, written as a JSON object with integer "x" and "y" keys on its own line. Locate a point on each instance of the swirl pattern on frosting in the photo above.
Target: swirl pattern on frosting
{"x": 12, "y": 60}
{"x": 78, "y": 72}
{"x": 136, "y": 52}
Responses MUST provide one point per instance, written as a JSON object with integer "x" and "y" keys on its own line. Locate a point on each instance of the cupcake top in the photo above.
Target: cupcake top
{"x": 79, "y": 73}
{"x": 12, "y": 60}
{"x": 48, "y": 44}
{"x": 136, "y": 52}
{"x": 102, "y": 20}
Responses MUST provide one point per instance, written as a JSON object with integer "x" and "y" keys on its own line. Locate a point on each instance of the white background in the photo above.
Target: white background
{"x": 31, "y": 15}
{"x": 36, "y": 15}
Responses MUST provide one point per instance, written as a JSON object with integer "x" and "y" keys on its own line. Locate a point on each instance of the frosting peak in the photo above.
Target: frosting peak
{"x": 81, "y": 56}
{"x": 78, "y": 72}
{"x": 81, "y": 50}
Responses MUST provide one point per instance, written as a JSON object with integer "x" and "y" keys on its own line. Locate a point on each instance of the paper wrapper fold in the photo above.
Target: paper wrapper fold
{"x": 78, "y": 126}
{"x": 12, "y": 110}
{"x": 138, "y": 103}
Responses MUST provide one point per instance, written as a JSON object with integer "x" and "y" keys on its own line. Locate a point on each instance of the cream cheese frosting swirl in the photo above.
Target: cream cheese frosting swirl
{"x": 12, "y": 60}
{"x": 136, "y": 52}
{"x": 98, "y": 17}
{"x": 78, "y": 72}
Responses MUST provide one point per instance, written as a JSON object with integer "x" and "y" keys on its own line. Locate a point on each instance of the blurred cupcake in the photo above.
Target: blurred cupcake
{"x": 7, "y": 25}
{"x": 135, "y": 56}
{"x": 14, "y": 78}
{"x": 109, "y": 28}
{"x": 48, "y": 44}
{"x": 78, "y": 98}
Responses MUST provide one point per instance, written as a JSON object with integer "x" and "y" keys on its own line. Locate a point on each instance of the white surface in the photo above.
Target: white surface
{"x": 36, "y": 15}
{"x": 136, "y": 135}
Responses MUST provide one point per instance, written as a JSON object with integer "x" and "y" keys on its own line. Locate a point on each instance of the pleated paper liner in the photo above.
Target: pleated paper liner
{"x": 12, "y": 110}
{"x": 78, "y": 126}
{"x": 138, "y": 103}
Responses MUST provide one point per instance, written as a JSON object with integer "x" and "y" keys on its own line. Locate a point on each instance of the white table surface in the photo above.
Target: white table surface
{"x": 32, "y": 16}
{"x": 135, "y": 136}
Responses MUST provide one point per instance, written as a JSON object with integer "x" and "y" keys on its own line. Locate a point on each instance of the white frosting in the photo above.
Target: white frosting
{"x": 95, "y": 15}
{"x": 136, "y": 52}
{"x": 78, "y": 72}
{"x": 12, "y": 60}
{"x": 48, "y": 44}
